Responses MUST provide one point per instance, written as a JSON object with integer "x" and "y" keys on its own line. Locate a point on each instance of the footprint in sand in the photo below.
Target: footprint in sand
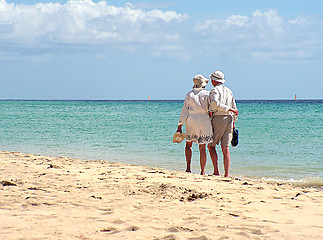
{"x": 106, "y": 211}
{"x": 8, "y": 183}
{"x": 170, "y": 237}
{"x": 132, "y": 228}
{"x": 178, "y": 229}
{"x": 109, "y": 230}
{"x": 199, "y": 238}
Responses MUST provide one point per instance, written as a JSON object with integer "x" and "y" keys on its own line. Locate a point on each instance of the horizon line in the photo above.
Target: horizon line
{"x": 243, "y": 99}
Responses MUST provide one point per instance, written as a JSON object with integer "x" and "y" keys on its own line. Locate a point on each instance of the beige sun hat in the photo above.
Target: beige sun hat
{"x": 178, "y": 137}
{"x": 200, "y": 81}
{"x": 217, "y": 76}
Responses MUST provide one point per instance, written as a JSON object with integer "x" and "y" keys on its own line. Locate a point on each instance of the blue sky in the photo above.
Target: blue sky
{"x": 87, "y": 49}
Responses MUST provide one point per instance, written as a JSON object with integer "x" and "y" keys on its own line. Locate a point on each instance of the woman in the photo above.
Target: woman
{"x": 198, "y": 125}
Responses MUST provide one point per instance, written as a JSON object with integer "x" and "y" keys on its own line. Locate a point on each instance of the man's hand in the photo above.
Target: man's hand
{"x": 235, "y": 111}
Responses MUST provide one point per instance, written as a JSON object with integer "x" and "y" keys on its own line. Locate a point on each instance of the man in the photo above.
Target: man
{"x": 224, "y": 114}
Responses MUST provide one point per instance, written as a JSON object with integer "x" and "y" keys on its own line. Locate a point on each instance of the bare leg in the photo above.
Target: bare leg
{"x": 226, "y": 160}
{"x": 214, "y": 158}
{"x": 202, "y": 158}
{"x": 188, "y": 155}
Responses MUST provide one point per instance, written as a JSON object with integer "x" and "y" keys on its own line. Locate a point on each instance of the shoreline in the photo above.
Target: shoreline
{"x": 64, "y": 198}
{"x": 308, "y": 182}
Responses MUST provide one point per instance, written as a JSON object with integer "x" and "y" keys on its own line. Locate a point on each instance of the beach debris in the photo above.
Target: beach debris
{"x": 234, "y": 215}
{"x": 298, "y": 194}
{"x": 157, "y": 171}
{"x": 246, "y": 183}
{"x": 34, "y": 188}
{"x": 96, "y": 197}
{"x": 141, "y": 178}
{"x": 226, "y": 180}
{"x": 53, "y": 166}
{"x": 8, "y": 183}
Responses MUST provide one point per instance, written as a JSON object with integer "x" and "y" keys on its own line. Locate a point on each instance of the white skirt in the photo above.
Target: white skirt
{"x": 199, "y": 128}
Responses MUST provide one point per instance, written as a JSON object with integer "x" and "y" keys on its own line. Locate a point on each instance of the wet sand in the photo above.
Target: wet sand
{"x": 46, "y": 197}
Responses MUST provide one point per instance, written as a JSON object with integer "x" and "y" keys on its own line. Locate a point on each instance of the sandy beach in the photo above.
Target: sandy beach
{"x": 46, "y": 197}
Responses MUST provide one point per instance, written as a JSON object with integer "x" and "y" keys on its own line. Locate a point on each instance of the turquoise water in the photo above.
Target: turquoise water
{"x": 279, "y": 140}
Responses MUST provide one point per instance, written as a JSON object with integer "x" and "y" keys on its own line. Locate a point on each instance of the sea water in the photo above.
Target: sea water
{"x": 278, "y": 139}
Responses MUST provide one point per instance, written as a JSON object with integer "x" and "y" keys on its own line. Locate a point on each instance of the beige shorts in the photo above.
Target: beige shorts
{"x": 222, "y": 130}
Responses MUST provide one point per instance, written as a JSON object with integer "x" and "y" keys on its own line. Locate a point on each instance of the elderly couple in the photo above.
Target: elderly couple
{"x": 199, "y": 106}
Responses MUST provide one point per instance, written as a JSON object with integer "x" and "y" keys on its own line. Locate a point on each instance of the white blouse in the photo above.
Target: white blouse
{"x": 196, "y": 102}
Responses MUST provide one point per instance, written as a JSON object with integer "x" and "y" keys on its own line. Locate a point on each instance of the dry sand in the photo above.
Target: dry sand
{"x": 62, "y": 198}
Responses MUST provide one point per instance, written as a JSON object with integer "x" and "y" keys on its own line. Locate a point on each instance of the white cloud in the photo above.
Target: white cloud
{"x": 298, "y": 21}
{"x": 259, "y": 25}
{"x": 83, "y": 22}
{"x": 261, "y": 35}
{"x": 264, "y": 35}
{"x": 234, "y": 20}
{"x": 268, "y": 21}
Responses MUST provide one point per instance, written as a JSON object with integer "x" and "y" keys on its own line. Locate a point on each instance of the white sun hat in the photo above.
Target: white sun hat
{"x": 200, "y": 81}
{"x": 217, "y": 76}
